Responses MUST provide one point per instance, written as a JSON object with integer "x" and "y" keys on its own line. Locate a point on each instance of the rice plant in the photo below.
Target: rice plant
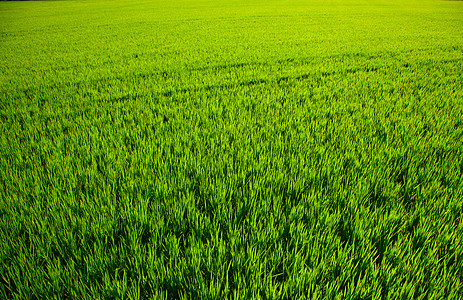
{"x": 231, "y": 149}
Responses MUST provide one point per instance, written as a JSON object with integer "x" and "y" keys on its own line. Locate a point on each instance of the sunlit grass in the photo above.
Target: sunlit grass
{"x": 214, "y": 150}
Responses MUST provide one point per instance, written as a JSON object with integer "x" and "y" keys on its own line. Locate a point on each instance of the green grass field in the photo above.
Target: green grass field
{"x": 231, "y": 149}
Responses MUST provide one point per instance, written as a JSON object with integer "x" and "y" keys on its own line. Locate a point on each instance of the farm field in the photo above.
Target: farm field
{"x": 231, "y": 149}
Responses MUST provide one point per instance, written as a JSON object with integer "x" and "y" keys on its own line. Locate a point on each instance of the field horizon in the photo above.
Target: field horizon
{"x": 231, "y": 149}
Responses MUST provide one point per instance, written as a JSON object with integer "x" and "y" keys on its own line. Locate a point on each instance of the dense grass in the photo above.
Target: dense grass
{"x": 231, "y": 149}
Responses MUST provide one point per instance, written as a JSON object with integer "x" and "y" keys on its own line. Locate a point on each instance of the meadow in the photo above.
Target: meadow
{"x": 231, "y": 149}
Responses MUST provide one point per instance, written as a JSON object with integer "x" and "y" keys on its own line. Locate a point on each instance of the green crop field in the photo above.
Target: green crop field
{"x": 231, "y": 149}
